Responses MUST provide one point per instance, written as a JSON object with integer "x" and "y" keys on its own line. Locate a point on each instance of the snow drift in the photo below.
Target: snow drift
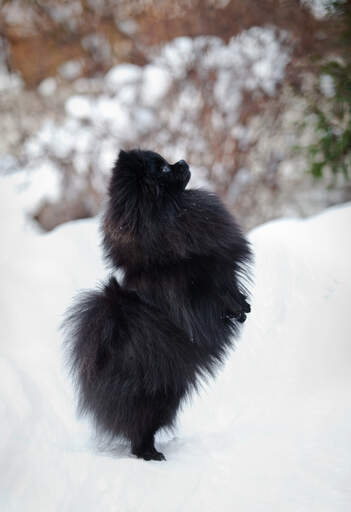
{"x": 272, "y": 433}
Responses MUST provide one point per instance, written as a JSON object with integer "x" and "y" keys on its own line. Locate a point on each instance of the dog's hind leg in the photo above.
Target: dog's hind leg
{"x": 144, "y": 423}
{"x": 163, "y": 408}
{"x": 144, "y": 447}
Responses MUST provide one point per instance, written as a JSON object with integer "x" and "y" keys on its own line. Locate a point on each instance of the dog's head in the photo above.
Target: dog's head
{"x": 148, "y": 174}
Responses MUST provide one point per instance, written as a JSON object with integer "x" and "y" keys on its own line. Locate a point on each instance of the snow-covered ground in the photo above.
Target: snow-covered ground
{"x": 272, "y": 433}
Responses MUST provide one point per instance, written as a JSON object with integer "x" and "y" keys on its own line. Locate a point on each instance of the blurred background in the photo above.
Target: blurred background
{"x": 254, "y": 94}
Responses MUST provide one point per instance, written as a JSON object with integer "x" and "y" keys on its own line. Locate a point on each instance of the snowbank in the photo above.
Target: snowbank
{"x": 272, "y": 433}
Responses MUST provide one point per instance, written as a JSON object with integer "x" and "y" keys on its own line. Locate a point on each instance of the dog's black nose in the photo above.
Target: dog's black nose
{"x": 182, "y": 164}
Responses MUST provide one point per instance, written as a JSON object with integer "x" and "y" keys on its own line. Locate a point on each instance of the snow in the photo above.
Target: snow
{"x": 128, "y": 26}
{"x": 8, "y": 80}
{"x": 319, "y": 7}
{"x": 271, "y": 433}
{"x": 48, "y": 86}
{"x": 63, "y": 13}
{"x": 121, "y": 75}
{"x": 71, "y": 69}
{"x": 79, "y": 107}
{"x": 156, "y": 82}
{"x": 327, "y": 85}
{"x": 20, "y": 191}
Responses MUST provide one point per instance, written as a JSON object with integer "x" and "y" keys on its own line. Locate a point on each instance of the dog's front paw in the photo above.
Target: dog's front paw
{"x": 239, "y": 310}
{"x": 240, "y": 316}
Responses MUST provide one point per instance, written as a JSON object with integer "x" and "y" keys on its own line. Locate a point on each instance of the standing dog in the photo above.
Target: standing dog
{"x": 139, "y": 348}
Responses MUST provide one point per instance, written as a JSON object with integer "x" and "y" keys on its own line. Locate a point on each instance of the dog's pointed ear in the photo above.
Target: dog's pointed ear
{"x": 122, "y": 155}
{"x": 131, "y": 163}
{"x": 123, "y": 161}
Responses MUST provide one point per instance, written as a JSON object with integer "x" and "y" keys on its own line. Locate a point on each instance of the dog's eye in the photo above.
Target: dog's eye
{"x": 165, "y": 168}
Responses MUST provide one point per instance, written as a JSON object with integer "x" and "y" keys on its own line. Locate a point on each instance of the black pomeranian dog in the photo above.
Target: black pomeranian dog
{"x": 138, "y": 348}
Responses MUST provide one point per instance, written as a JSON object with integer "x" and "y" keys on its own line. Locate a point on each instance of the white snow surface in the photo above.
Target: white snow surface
{"x": 271, "y": 433}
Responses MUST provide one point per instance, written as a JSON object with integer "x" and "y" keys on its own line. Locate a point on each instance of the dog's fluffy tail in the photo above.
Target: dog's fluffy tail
{"x": 122, "y": 350}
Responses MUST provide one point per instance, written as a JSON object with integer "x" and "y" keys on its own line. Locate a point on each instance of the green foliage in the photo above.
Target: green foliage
{"x": 332, "y": 149}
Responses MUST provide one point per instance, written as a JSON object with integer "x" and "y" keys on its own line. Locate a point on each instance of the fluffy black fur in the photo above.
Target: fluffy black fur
{"x": 139, "y": 348}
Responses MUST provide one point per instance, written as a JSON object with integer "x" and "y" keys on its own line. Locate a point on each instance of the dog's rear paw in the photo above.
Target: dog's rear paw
{"x": 155, "y": 455}
{"x": 150, "y": 454}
